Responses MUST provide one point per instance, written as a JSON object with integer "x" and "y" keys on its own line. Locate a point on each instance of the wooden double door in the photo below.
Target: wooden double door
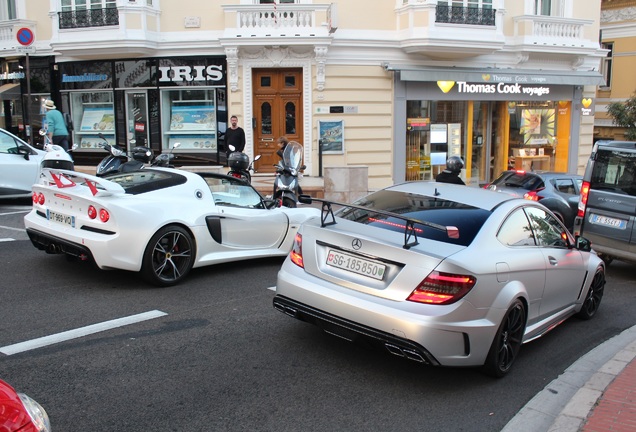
{"x": 277, "y": 112}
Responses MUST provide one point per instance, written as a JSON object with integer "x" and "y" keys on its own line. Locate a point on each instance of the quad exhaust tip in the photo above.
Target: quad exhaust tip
{"x": 406, "y": 353}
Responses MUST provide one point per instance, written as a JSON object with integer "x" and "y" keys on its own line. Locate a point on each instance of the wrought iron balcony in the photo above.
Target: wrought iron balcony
{"x": 89, "y": 18}
{"x": 465, "y": 15}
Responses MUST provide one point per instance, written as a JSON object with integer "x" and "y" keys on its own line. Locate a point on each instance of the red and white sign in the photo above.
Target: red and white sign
{"x": 25, "y": 36}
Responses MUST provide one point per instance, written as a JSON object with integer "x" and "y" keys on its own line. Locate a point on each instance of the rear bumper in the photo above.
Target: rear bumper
{"x": 354, "y": 332}
{"x": 56, "y": 245}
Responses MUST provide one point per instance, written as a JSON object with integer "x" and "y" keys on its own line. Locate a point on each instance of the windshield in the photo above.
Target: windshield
{"x": 614, "y": 170}
{"x": 293, "y": 155}
{"x": 467, "y": 219}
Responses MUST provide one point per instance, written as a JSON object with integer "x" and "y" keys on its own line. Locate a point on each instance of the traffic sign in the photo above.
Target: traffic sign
{"x": 25, "y": 36}
{"x": 25, "y": 49}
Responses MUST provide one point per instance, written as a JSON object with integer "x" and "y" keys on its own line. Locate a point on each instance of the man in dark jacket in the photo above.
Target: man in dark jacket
{"x": 234, "y": 135}
{"x": 454, "y": 165}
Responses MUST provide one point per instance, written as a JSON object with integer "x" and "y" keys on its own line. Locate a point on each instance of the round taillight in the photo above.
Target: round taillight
{"x": 104, "y": 215}
{"x": 41, "y": 198}
{"x": 92, "y": 212}
{"x": 34, "y": 197}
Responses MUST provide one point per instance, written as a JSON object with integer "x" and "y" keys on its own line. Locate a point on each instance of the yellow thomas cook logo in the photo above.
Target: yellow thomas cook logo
{"x": 485, "y": 77}
{"x": 586, "y": 102}
{"x": 445, "y": 86}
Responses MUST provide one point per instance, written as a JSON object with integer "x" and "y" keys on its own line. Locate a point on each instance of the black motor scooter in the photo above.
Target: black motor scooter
{"x": 119, "y": 160}
{"x": 240, "y": 165}
{"x": 286, "y": 183}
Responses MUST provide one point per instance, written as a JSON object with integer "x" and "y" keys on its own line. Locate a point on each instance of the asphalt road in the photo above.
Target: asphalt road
{"x": 222, "y": 359}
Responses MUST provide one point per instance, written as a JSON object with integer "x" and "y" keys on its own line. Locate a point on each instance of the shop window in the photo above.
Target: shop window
{"x": 190, "y": 119}
{"x": 93, "y": 114}
{"x": 606, "y": 65}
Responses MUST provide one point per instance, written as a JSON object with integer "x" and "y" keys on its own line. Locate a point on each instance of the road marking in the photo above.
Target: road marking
{"x": 15, "y": 212}
{"x": 8, "y": 239}
{"x": 12, "y": 228}
{"x": 82, "y": 331}
{"x": 272, "y": 288}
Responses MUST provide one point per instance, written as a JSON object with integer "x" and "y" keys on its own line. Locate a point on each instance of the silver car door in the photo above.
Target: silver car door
{"x": 565, "y": 271}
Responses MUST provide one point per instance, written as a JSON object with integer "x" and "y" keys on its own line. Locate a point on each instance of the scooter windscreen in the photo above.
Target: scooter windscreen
{"x": 293, "y": 155}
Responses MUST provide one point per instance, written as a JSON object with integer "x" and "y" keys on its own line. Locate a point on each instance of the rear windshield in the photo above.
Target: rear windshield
{"x": 614, "y": 171}
{"x": 146, "y": 180}
{"x": 467, "y": 219}
{"x": 521, "y": 180}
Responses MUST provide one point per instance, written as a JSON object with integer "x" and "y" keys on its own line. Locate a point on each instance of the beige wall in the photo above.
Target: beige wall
{"x": 212, "y": 16}
{"x": 369, "y": 133}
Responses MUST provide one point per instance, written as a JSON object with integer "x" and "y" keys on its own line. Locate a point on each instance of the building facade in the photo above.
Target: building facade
{"x": 398, "y": 88}
{"x": 618, "y": 37}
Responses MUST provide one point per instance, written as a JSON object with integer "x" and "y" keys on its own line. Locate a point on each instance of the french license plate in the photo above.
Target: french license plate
{"x": 61, "y": 218}
{"x": 608, "y": 221}
{"x": 356, "y": 264}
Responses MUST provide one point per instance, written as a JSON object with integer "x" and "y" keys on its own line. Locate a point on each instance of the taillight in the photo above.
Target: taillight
{"x": 41, "y": 198}
{"x": 532, "y": 196}
{"x": 585, "y": 193}
{"x": 92, "y": 212}
{"x": 34, "y": 197}
{"x": 442, "y": 288}
{"x": 104, "y": 216}
{"x": 296, "y": 254}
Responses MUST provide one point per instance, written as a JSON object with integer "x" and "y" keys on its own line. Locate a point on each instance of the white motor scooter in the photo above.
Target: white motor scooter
{"x": 55, "y": 157}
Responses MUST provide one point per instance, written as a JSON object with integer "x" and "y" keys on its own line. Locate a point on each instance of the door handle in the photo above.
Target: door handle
{"x": 553, "y": 261}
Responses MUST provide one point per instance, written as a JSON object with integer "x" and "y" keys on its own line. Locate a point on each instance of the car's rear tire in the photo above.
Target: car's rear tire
{"x": 169, "y": 256}
{"x": 594, "y": 295}
{"x": 507, "y": 342}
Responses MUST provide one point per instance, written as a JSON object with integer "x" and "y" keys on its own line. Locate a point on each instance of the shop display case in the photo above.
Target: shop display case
{"x": 92, "y": 117}
{"x": 192, "y": 122}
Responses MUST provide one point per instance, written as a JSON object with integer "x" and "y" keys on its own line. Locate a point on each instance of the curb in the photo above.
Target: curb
{"x": 566, "y": 402}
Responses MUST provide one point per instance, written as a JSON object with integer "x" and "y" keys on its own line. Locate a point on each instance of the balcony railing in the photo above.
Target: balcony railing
{"x": 465, "y": 15}
{"x": 89, "y": 18}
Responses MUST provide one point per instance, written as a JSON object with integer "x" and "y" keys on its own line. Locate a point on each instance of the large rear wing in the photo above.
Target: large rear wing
{"x": 410, "y": 233}
{"x": 66, "y": 179}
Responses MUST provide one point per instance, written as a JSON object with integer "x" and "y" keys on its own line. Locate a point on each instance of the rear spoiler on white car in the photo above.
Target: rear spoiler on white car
{"x": 410, "y": 234}
{"x": 64, "y": 179}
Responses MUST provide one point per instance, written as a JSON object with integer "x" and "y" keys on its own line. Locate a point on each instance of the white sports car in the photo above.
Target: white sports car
{"x": 161, "y": 222}
{"x": 19, "y": 166}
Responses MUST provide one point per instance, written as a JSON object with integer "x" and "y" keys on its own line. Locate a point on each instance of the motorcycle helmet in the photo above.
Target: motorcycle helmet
{"x": 454, "y": 164}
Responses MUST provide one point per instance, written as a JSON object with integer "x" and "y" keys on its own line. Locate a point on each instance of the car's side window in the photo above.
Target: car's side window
{"x": 547, "y": 228}
{"x": 565, "y": 186}
{"x": 7, "y": 144}
{"x": 516, "y": 230}
{"x": 233, "y": 193}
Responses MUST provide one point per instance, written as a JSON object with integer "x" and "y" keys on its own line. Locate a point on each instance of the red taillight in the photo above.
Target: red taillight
{"x": 532, "y": 196}
{"x": 585, "y": 193}
{"x": 442, "y": 288}
{"x": 235, "y": 174}
{"x": 296, "y": 254}
{"x": 34, "y": 197}
{"x": 92, "y": 212}
{"x": 104, "y": 216}
{"x": 41, "y": 198}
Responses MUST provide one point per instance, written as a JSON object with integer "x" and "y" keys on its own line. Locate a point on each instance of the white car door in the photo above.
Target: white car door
{"x": 17, "y": 174}
{"x": 244, "y": 223}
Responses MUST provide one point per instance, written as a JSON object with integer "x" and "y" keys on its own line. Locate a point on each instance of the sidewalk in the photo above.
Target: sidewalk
{"x": 597, "y": 393}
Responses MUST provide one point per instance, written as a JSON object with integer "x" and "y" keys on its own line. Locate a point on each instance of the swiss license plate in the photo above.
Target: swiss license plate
{"x": 61, "y": 218}
{"x": 356, "y": 264}
{"x": 608, "y": 221}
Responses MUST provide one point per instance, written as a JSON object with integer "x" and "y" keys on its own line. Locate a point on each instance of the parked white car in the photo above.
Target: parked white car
{"x": 19, "y": 166}
{"x": 161, "y": 222}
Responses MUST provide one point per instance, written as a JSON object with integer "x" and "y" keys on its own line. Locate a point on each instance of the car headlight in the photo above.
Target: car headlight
{"x": 38, "y": 415}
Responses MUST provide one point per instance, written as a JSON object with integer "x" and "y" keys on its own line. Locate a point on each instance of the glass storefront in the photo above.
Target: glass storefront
{"x": 491, "y": 137}
{"x": 151, "y": 102}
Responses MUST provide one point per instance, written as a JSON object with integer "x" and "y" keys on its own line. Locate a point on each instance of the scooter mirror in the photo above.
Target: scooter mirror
{"x": 231, "y": 147}
{"x": 176, "y": 145}
{"x": 133, "y": 142}
{"x": 257, "y": 157}
{"x": 42, "y": 132}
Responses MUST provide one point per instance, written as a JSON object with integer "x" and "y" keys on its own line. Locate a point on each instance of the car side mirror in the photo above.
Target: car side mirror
{"x": 270, "y": 203}
{"x": 24, "y": 152}
{"x": 583, "y": 244}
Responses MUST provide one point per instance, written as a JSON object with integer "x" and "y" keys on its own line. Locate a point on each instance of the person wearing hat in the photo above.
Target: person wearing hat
{"x": 57, "y": 131}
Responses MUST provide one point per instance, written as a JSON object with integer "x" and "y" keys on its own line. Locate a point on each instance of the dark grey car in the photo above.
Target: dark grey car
{"x": 607, "y": 209}
{"x": 557, "y": 191}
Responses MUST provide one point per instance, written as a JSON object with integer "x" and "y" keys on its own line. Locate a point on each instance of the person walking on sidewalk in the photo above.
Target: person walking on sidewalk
{"x": 57, "y": 131}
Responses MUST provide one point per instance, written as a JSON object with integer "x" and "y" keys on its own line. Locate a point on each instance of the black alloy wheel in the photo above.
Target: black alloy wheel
{"x": 594, "y": 295}
{"x": 507, "y": 342}
{"x": 168, "y": 257}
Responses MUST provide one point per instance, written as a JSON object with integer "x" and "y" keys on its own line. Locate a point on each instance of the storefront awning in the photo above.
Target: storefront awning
{"x": 10, "y": 91}
{"x": 417, "y": 73}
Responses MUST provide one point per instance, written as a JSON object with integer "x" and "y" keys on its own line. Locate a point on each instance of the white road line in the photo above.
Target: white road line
{"x": 6, "y": 239}
{"x": 272, "y": 288}
{"x": 15, "y": 212}
{"x": 82, "y": 331}
{"x": 12, "y": 228}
